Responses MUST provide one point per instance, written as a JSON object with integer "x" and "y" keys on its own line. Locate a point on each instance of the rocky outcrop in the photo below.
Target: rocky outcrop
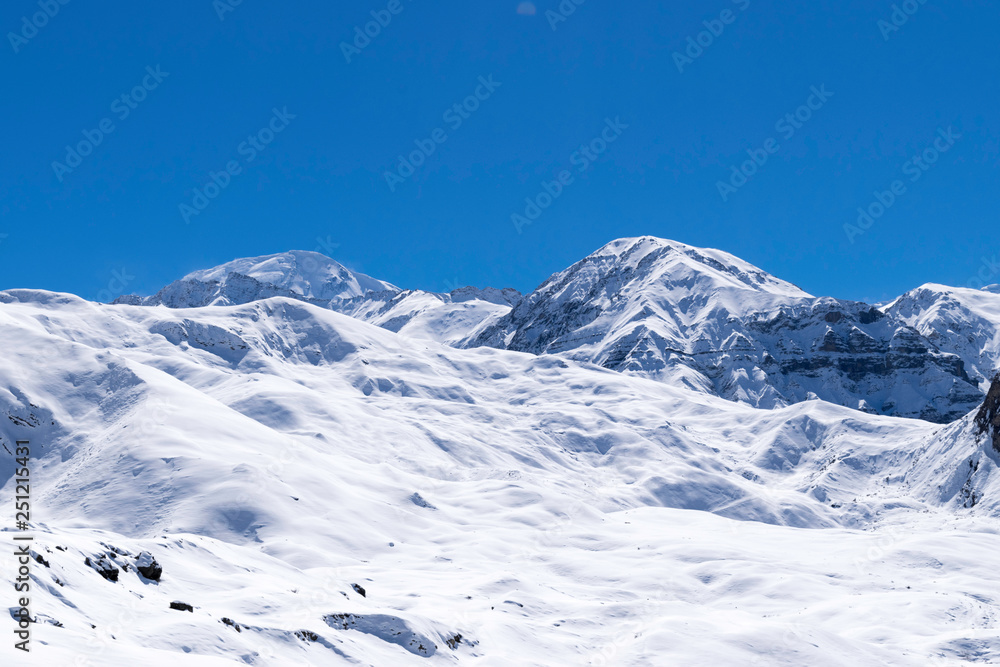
{"x": 148, "y": 567}
{"x": 988, "y": 417}
{"x": 391, "y": 629}
{"x": 103, "y": 566}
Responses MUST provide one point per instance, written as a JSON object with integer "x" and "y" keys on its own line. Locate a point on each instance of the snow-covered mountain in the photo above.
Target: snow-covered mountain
{"x": 446, "y": 318}
{"x": 964, "y": 321}
{"x": 294, "y": 465}
{"x": 317, "y": 279}
{"x": 319, "y": 490}
{"x": 297, "y": 274}
{"x": 716, "y": 323}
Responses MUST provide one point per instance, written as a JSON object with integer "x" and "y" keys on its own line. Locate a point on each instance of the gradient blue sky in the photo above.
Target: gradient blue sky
{"x": 450, "y": 223}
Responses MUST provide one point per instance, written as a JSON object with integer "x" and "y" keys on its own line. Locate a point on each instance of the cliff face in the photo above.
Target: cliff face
{"x": 988, "y": 417}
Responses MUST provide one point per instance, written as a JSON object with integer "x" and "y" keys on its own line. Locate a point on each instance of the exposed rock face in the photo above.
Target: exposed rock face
{"x": 104, "y": 567}
{"x": 148, "y": 567}
{"x": 233, "y": 624}
{"x": 848, "y": 353}
{"x": 988, "y": 417}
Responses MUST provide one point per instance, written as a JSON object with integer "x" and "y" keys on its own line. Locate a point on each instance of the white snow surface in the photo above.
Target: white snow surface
{"x": 272, "y": 455}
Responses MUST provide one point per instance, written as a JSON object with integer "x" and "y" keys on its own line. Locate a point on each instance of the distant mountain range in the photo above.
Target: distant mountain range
{"x": 672, "y": 312}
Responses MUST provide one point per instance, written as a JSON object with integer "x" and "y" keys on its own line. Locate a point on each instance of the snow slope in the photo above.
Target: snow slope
{"x": 496, "y": 507}
{"x": 444, "y": 318}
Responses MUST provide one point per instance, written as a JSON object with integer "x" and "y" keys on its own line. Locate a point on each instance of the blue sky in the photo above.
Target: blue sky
{"x": 273, "y": 82}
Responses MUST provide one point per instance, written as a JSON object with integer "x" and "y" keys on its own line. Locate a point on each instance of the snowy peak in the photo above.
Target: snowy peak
{"x": 653, "y": 258}
{"x": 298, "y": 274}
{"x": 637, "y": 288}
{"x": 711, "y": 321}
{"x": 308, "y": 274}
{"x": 659, "y": 270}
{"x": 319, "y": 280}
{"x": 695, "y": 317}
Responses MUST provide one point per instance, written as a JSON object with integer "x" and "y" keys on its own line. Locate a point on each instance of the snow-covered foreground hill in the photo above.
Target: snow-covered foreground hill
{"x": 276, "y": 458}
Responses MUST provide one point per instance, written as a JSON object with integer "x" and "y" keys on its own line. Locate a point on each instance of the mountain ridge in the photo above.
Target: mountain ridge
{"x": 699, "y": 317}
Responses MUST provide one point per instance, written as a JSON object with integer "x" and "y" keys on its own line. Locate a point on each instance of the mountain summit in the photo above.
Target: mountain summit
{"x": 631, "y": 287}
{"x": 297, "y": 274}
